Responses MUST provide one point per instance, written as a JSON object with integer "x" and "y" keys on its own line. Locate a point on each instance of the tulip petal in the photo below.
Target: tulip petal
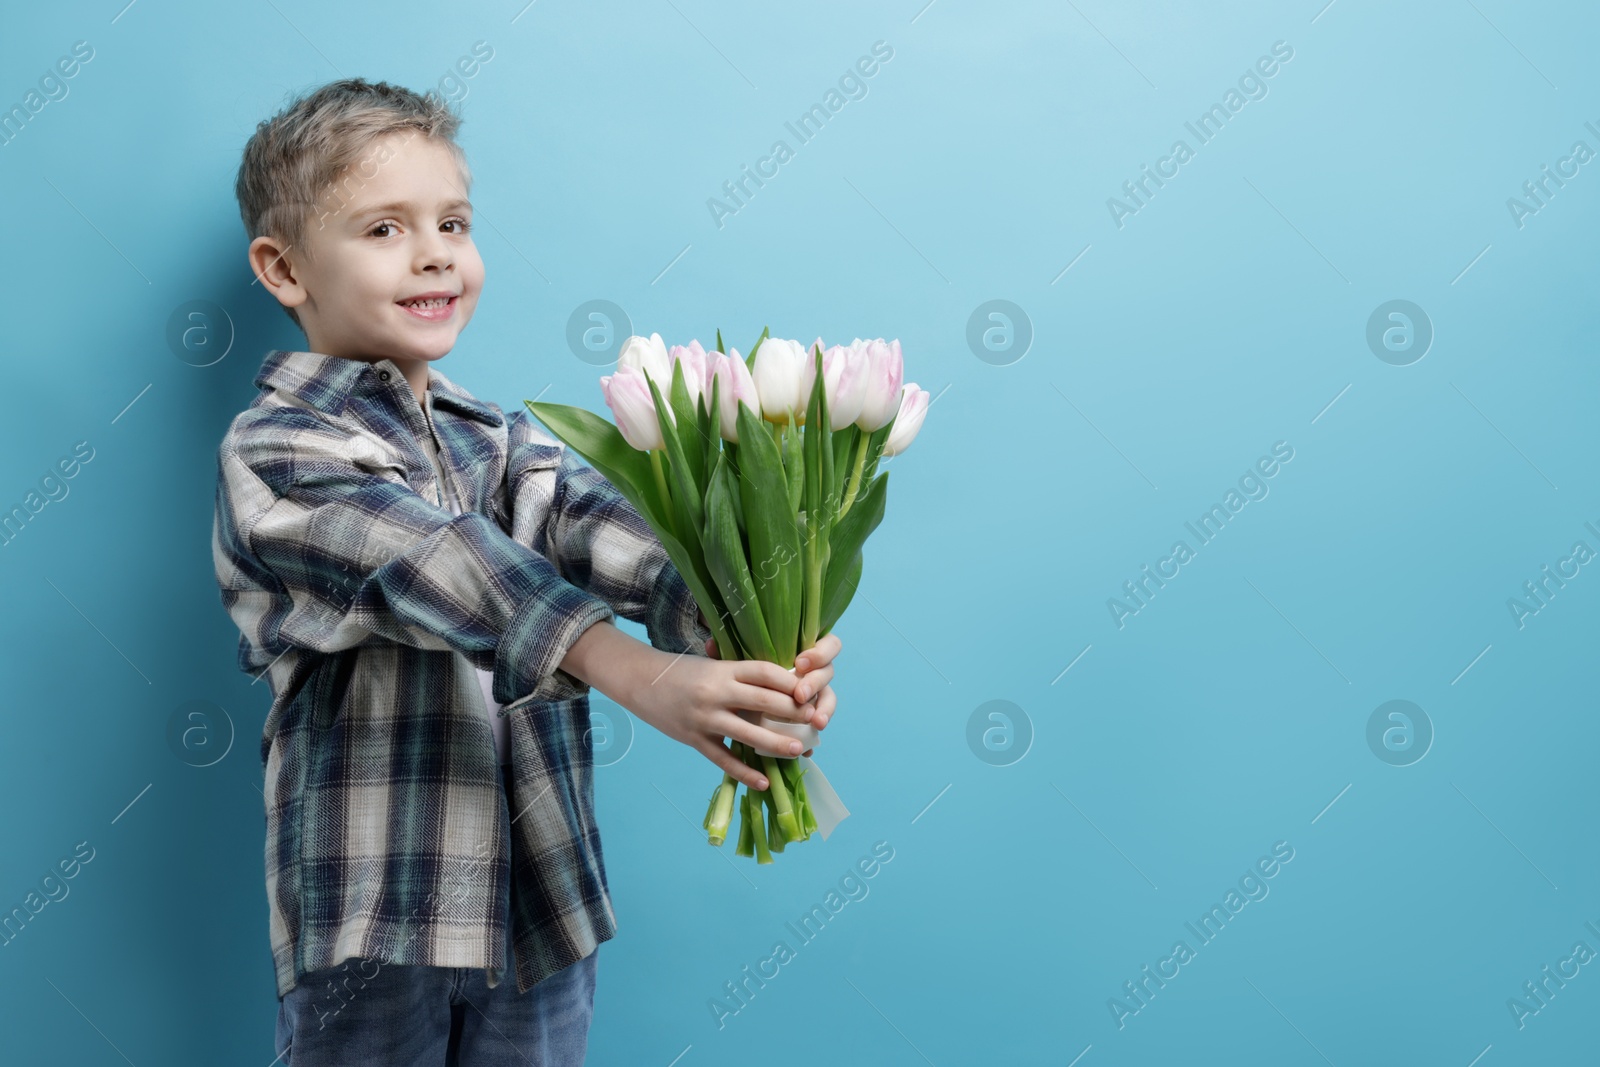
{"x": 913, "y": 409}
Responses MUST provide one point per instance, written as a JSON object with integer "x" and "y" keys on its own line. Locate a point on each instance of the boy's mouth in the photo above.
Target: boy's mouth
{"x": 431, "y": 307}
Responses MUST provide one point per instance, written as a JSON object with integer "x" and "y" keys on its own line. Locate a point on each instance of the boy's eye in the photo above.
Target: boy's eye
{"x": 384, "y": 229}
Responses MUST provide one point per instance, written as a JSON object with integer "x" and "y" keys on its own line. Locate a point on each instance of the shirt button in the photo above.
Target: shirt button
{"x": 383, "y": 376}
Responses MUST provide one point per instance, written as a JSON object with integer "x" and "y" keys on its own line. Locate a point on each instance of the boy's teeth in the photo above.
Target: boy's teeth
{"x": 437, "y": 302}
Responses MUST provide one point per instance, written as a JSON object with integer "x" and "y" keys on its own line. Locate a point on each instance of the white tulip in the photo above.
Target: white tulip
{"x": 779, "y": 364}
{"x": 650, "y": 356}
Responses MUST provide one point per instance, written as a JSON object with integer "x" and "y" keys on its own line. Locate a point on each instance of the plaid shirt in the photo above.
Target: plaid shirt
{"x": 392, "y": 833}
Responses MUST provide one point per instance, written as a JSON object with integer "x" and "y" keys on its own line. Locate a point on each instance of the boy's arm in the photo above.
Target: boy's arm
{"x": 599, "y": 539}
{"x": 360, "y": 554}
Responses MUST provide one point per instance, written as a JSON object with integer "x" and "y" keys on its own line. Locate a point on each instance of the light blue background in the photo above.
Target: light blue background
{"x": 1227, "y": 315}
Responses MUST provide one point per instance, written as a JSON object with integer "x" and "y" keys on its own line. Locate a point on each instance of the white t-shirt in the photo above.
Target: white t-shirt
{"x": 497, "y": 716}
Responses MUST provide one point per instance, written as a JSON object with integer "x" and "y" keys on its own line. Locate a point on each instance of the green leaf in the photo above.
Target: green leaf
{"x": 794, "y": 465}
{"x": 875, "y": 448}
{"x": 710, "y": 423}
{"x": 819, "y": 446}
{"x": 750, "y": 356}
{"x": 607, "y": 451}
{"x": 704, "y": 590}
{"x": 852, "y": 531}
{"x": 724, "y": 351}
{"x": 731, "y": 451}
{"x": 725, "y": 559}
{"x": 688, "y": 505}
{"x": 690, "y": 434}
{"x": 813, "y": 533}
{"x": 824, "y": 430}
{"x": 838, "y": 596}
{"x": 844, "y": 546}
{"x": 628, "y": 469}
{"x": 775, "y": 560}
{"x": 682, "y": 494}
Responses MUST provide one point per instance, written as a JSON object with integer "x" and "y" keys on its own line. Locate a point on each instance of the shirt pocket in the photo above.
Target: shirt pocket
{"x": 379, "y": 458}
{"x": 552, "y": 759}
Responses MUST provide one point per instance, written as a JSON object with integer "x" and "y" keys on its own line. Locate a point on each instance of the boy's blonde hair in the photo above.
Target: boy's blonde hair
{"x": 294, "y": 165}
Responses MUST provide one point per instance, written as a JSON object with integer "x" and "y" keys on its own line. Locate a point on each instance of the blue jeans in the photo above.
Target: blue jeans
{"x": 400, "y": 1015}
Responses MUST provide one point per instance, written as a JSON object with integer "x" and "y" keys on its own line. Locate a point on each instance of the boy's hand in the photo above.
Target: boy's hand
{"x": 814, "y": 669}
{"x": 701, "y": 700}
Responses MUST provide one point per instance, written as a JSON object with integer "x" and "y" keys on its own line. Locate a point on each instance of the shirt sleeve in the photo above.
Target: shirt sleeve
{"x": 602, "y": 543}
{"x": 357, "y": 554}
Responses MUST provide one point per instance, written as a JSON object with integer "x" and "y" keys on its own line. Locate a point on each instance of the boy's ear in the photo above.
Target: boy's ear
{"x": 274, "y": 269}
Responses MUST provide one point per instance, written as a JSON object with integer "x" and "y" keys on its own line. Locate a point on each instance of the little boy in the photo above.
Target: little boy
{"x": 430, "y": 588}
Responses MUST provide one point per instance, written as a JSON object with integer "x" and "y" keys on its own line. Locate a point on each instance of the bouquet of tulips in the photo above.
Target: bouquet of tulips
{"x": 759, "y": 475}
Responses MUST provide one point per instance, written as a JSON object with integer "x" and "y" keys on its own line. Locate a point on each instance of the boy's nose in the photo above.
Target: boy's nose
{"x": 434, "y": 253}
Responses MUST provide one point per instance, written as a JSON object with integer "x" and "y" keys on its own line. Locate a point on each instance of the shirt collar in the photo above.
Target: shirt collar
{"x": 327, "y": 382}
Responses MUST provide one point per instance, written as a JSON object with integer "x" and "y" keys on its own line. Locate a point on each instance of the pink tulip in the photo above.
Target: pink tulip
{"x": 737, "y": 387}
{"x": 882, "y": 366}
{"x": 627, "y": 394}
{"x": 696, "y": 372}
{"x": 913, "y": 409}
{"x": 842, "y": 381}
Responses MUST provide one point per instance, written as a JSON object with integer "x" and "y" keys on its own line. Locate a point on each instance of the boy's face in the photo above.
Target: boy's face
{"x": 395, "y": 229}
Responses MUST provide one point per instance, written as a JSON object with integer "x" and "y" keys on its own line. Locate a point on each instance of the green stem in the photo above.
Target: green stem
{"x": 795, "y": 780}
{"x": 855, "y": 474}
{"x": 815, "y": 564}
{"x": 720, "y": 811}
{"x": 661, "y": 480}
{"x": 758, "y": 826}
{"x": 746, "y": 845}
{"x": 775, "y": 838}
{"x": 808, "y": 818}
{"x": 780, "y": 798}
